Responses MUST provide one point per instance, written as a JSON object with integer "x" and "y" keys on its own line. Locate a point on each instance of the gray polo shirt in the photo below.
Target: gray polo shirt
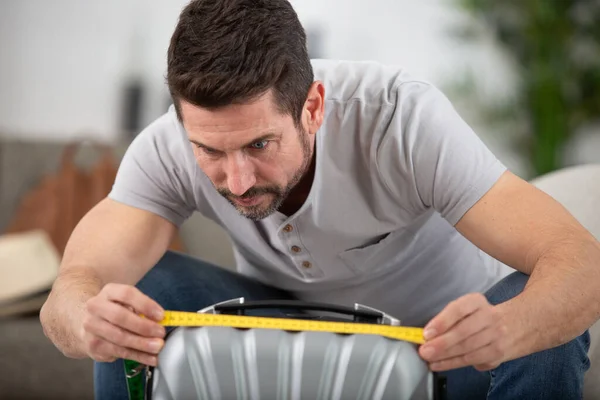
{"x": 396, "y": 168}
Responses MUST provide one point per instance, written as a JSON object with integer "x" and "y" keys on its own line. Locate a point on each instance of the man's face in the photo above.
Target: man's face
{"x": 252, "y": 153}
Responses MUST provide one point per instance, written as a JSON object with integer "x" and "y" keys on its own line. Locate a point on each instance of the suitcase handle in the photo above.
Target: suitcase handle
{"x": 362, "y": 315}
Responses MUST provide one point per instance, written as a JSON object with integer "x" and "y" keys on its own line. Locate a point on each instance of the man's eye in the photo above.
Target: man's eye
{"x": 259, "y": 145}
{"x": 206, "y": 150}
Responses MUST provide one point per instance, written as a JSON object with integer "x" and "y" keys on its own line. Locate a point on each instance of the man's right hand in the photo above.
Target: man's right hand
{"x": 113, "y": 328}
{"x": 94, "y": 307}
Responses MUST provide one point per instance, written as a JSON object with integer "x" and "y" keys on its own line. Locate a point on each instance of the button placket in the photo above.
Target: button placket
{"x": 298, "y": 256}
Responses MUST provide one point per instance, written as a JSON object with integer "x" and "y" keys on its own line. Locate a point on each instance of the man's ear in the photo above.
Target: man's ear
{"x": 314, "y": 107}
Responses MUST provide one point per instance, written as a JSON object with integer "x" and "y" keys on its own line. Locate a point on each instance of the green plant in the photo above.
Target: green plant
{"x": 555, "y": 45}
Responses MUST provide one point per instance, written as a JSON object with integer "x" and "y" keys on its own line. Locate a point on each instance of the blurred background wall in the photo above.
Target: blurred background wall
{"x": 66, "y": 65}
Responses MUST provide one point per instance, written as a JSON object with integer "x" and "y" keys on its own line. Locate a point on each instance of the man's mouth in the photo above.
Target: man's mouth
{"x": 248, "y": 201}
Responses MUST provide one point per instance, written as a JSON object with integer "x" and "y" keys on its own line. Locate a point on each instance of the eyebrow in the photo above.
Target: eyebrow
{"x": 268, "y": 136}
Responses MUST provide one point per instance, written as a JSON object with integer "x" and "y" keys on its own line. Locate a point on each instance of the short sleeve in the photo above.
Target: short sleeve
{"x": 431, "y": 158}
{"x": 156, "y": 173}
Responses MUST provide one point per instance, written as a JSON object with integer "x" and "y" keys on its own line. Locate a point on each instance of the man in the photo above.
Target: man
{"x": 340, "y": 182}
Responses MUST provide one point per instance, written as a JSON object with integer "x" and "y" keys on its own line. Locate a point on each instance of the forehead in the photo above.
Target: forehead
{"x": 237, "y": 123}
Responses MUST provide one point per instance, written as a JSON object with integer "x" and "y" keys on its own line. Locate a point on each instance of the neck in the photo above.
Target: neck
{"x": 300, "y": 192}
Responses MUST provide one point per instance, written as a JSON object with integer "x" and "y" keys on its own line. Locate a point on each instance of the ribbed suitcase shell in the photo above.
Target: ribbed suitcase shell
{"x": 251, "y": 364}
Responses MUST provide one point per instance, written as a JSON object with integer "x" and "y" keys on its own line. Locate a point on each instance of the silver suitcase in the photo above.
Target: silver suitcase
{"x": 251, "y": 364}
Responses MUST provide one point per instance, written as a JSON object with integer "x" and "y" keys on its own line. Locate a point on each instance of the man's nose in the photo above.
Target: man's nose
{"x": 240, "y": 175}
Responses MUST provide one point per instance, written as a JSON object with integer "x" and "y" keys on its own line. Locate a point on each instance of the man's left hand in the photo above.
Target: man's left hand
{"x": 467, "y": 332}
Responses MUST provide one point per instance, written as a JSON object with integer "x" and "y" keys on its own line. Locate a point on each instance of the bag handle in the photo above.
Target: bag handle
{"x": 359, "y": 315}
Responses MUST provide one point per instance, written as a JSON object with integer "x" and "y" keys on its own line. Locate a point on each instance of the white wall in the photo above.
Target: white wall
{"x": 63, "y": 62}
{"x": 407, "y": 32}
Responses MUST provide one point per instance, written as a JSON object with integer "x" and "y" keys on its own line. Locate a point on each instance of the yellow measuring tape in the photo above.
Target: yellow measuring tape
{"x": 180, "y": 318}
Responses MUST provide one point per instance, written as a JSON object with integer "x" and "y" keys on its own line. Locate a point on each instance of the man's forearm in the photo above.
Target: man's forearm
{"x": 62, "y": 313}
{"x": 561, "y": 299}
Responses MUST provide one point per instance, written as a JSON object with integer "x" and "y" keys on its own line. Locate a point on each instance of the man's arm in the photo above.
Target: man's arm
{"x": 111, "y": 248}
{"x": 523, "y": 227}
{"x": 94, "y": 308}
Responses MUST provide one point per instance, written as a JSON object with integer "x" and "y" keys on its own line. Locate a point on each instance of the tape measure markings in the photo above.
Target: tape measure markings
{"x": 181, "y": 318}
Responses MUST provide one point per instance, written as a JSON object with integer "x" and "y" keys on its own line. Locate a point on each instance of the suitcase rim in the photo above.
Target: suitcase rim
{"x": 239, "y": 305}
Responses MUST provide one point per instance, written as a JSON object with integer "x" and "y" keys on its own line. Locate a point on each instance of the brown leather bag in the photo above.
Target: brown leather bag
{"x": 60, "y": 200}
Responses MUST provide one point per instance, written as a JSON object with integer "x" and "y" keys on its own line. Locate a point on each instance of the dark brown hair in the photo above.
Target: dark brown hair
{"x": 231, "y": 51}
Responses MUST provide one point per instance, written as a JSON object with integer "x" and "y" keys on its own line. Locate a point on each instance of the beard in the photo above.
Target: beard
{"x": 277, "y": 192}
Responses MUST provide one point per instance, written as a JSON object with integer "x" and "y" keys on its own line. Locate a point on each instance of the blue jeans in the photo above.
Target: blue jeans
{"x": 180, "y": 282}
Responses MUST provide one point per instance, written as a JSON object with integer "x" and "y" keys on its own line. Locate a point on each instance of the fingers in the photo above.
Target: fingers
{"x": 468, "y": 332}
{"x": 121, "y": 337}
{"x": 453, "y": 313}
{"x": 133, "y": 297}
{"x": 103, "y": 351}
{"x": 469, "y": 345}
{"x": 124, "y": 318}
{"x": 480, "y": 359}
{"x": 471, "y": 333}
{"x": 112, "y": 327}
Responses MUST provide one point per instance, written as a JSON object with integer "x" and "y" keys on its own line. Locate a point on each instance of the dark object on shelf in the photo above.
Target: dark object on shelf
{"x": 133, "y": 98}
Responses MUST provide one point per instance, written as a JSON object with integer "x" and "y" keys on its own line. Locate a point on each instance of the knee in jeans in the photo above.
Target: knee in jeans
{"x": 507, "y": 288}
{"x": 583, "y": 341}
{"x": 574, "y": 354}
{"x": 163, "y": 277}
{"x": 157, "y": 272}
